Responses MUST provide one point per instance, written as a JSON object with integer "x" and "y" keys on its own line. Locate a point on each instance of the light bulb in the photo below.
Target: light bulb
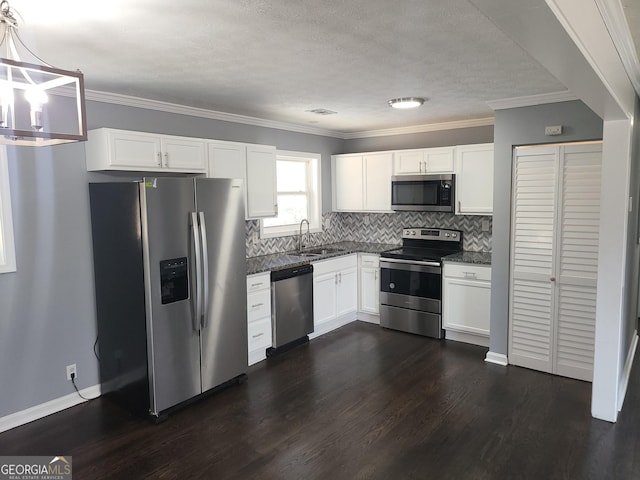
{"x": 36, "y": 98}
{"x": 6, "y": 101}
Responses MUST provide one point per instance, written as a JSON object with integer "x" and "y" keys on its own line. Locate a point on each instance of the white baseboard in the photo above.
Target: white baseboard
{"x": 326, "y": 327}
{"x": 369, "y": 318}
{"x": 481, "y": 340}
{"x": 39, "y": 411}
{"x": 626, "y": 373}
{"x": 497, "y": 358}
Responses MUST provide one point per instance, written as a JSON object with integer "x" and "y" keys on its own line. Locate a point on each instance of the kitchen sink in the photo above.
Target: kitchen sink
{"x": 318, "y": 252}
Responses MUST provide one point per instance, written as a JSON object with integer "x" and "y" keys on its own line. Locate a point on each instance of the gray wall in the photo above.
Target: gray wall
{"x": 515, "y": 127}
{"x": 441, "y": 138}
{"x": 47, "y": 308}
{"x": 633, "y": 248}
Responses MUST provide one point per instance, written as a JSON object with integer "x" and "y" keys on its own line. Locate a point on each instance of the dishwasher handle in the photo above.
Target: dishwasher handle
{"x": 290, "y": 272}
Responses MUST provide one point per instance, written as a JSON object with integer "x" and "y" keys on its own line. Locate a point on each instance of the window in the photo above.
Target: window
{"x": 7, "y": 250}
{"x": 298, "y": 180}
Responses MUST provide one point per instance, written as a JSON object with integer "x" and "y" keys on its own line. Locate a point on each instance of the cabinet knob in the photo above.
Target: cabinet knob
{"x": 552, "y": 279}
{"x": 159, "y": 159}
{"x": 166, "y": 159}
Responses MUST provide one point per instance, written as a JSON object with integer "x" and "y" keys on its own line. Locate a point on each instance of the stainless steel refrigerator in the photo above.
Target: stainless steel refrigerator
{"x": 170, "y": 283}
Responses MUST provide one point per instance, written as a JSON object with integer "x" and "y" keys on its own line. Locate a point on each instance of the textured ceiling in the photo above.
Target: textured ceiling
{"x": 277, "y": 59}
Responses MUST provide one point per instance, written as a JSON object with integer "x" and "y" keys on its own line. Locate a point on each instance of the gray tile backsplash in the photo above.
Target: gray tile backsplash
{"x": 375, "y": 228}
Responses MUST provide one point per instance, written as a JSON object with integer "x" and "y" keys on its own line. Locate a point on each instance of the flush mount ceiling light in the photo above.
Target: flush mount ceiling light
{"x": 25, "y": 89}
{"x": 406, "y": 102}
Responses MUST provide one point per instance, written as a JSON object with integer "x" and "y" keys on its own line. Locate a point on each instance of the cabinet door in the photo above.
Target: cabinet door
{"x": 135, "y": 151}
{"x": 370, "y": 290}
{"x": 348, "y": 183}
{"x": 184, "y": 154}
{"x": 407, "y": 162}
{"x": 347, "y": 292}
{"x": 228, "y": 160}
{"x": 262, "y": 198}
{"x": 377, "y": 182}
{"x": 324, "y": 297}
{"x": 467, "y": 304}
{"x": 474, "y": 179}
{"x": 439, "y": 160}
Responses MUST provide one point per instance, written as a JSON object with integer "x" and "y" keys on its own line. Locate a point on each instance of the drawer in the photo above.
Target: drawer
{"x": 335, "y": 264}
{"x": 369, "y": 260}
{"x": 257, "y": 282}
{"x": 258, "y": 305}
{"x": 467, "y": 271}
{"x": 259, "y": 334}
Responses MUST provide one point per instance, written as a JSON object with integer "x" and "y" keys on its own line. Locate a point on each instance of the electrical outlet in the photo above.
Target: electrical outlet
{"x": 485, "y": 225}
{"x": 256, "y": 238}
{"x": 71, "y": 369}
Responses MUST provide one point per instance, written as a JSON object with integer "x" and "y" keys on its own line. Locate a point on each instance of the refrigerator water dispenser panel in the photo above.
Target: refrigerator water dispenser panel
{"x": 174, "y": 280}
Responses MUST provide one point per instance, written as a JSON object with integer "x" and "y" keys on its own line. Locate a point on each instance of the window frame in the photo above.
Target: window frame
{"x": 314, "y": 196}
{"x": 7, "y": 242}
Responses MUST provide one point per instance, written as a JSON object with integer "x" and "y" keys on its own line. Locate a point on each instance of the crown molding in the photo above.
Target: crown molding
{"x": 532, "y": 100}
{"x": 430, "y": 127}
{"x": 129, "y": 101}
{"x": 614, "y": 18}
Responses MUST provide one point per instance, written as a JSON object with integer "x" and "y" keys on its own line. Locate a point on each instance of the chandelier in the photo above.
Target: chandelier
{"x": 39, "y": 104}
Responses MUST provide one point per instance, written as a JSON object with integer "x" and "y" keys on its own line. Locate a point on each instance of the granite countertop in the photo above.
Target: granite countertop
{"x": 481, "y": 258}
{"x": 278, "y": 261}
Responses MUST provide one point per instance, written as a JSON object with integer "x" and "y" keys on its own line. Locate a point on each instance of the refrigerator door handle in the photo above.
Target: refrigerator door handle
{"x": 197, "y": 299}
{"x": 205, "y": 271}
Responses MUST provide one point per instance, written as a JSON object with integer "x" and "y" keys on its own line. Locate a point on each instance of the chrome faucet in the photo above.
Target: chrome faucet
{"x": 300, "y": 244}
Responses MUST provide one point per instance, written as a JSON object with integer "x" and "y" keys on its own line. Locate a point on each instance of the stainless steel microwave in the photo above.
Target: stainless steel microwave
{"x": 424, "y": 193}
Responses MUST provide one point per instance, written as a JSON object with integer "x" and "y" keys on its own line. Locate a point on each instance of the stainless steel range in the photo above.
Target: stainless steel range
{"x": 411, "y": 280}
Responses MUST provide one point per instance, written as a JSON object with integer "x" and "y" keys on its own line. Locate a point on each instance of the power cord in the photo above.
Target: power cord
{"x": 73, "y": 380}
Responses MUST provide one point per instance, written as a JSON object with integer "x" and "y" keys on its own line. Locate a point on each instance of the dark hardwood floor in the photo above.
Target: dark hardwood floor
{"x": 359, "y": 402}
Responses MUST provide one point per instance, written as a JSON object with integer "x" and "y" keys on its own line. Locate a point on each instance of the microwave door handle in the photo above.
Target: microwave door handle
{"x": 205, "y": 272}
{"x": 196, "y": 299}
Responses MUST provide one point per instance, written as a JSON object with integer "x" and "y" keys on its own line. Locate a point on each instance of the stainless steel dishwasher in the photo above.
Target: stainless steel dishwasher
{"x": 291, "y": 307}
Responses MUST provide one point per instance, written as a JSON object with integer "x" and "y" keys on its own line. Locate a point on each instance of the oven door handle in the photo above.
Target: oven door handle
{"x": 410, "y": 265}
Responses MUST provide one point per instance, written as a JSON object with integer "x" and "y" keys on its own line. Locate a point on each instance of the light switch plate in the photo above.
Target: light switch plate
{"x": 553, "y": 130}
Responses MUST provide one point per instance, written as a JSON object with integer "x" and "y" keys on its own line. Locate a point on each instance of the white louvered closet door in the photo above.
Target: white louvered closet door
{"x": 532, "y": 237}
{"x": 555, "y": 224}
{"x": 577, "y": 260}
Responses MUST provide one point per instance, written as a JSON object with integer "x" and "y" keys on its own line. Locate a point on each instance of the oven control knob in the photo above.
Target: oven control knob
{"x": 413, "y": 232}
{"x": 447, "y": 235}
{"x": 392, "y": 285}
{"x": 454, "y": 235}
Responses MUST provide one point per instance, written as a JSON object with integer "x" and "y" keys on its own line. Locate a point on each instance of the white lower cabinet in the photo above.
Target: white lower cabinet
{"x": 335, "y": 293}
{"x": 258, "y": 316}
{"x": 369, "y": 282}
{"x": 466, "y": 300}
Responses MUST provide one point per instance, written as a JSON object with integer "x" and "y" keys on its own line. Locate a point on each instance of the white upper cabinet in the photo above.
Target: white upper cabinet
{"x": 474, "y": 179}
{"x": 256, "y": 165}
{"x": 347, "y": 172}
{"x": 262, "y": 193}
{"x": 424, "y": 161}
{"x": 111, "y": 149}
{"x": 362, "y": 182}
{"x": 377, "y": 182}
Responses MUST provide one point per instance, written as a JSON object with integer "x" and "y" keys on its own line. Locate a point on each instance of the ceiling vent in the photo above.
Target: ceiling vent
{"x": 321, "y": 111}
